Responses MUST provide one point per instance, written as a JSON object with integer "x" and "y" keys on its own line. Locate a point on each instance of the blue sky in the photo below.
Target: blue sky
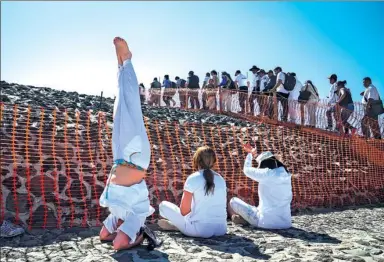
{"x": 68, "y": 45}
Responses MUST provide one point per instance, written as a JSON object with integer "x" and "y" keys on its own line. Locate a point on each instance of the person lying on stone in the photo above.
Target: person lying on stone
{"x": 126, "y": 193}
{"x": 202, "y": 211}
{"x": 275, "y": 194}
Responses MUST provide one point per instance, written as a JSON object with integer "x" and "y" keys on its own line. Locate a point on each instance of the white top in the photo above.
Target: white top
{"x": 241, "y": 80}
{"x": 206, "y": 80}
{"x": 207, "y": 208}
{"x": 280, "y": 88}
{"x": 333, "y": 97}
{"x": 370, "y": 93}
{"x": 255, "y": 77}
{"x": 294, "y": 94}
{"x": 263, "y": 81}
{"x": 275, "y": 195}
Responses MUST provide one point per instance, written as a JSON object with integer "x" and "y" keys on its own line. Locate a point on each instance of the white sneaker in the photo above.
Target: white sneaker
{"x": 8, "y": 229}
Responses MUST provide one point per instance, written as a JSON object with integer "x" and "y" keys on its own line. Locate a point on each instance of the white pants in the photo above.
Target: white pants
{"x": 130, "y": 204}
{"x": 246, "y": 211}
{"x": 193, "y": 229}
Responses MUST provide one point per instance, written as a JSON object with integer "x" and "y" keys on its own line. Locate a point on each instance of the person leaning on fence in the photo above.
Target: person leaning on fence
{"x": 262, "y": 98}
{"x": 202, "y": 211}
{"x": 373, "y": 107}
{"x": 308, "y": 98}
{"x": 126, "y": 194}
{"x": 332, "y": 98}
{"x": 275, "y": 193}
{"x": 227, "y": 87}
{"x": 345, "y": 102}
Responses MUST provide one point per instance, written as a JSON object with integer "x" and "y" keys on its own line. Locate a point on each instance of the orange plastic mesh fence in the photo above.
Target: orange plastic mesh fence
{"x": 54, "y": 164}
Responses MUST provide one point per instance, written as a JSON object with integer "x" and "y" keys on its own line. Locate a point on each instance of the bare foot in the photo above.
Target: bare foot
{"x": 238, "y": 220}
{"x": 166, "y": 225}
{"x": 122, "y": 50}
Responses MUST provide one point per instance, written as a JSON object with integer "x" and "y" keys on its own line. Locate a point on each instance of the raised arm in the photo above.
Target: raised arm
{"x": 253, "y": 173}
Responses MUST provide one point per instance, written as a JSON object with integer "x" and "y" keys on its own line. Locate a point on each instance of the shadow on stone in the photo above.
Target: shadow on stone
{"x": 140, "y": 253}
{"x": 304, "y": 235}
{"x": 232, "y": 244}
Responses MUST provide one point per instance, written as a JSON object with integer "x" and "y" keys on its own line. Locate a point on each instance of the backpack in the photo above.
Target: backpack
{"x": 182, "y": 83}
{"x": 290, "y": 82}
{"x": 173, "y": 85}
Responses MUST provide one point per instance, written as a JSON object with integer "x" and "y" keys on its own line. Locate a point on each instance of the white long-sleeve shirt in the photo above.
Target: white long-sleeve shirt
{"x": 333, "y": 97}
{"x": 275, "y": 195}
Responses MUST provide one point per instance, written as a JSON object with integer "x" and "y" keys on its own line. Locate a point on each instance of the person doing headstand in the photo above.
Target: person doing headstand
{"x": 126, "y": 193}
{"x": 275, "y": 194}
{"x": 203, "y": 211}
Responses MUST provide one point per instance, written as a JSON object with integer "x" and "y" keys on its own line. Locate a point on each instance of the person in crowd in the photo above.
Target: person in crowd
{"x": 254, "y": 84}
{"x": 142, "y": 93}
{"x": 227, "y": 87}
{"x": 345, "y": 102}
{"x": 168, "y": 91}
{"x": 216, "y": 90}
{"x": 155, "y": 92}
{"x": 332, "y": 98}
{"x": 126, "y": 194}
{"x": 193, "y": 90}
{"x": 204, "y": 90}
{"x": 281, "y": 93}
{"x": 373, "y": 107}
{"x": 262, "y": 98}
{"x": 269, "y": 95}
{"x": 242, "y": 86}
{"x": 309, "y": 98}
{"x": 293, "y": 105}
{"x": 275, "y": 193}
{"x": 181, "y": 86}
{"x": 203, "y": 211}
{"x": 211, "y": 94}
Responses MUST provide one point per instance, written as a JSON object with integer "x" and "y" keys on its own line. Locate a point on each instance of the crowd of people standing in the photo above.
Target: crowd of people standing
{"x": 267, "y": 91}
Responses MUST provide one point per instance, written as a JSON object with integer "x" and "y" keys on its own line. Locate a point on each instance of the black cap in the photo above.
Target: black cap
{"x": 254, "y": 68}
{"x": 333, "y": 76}
{"x": 261, "y": 71}
{"x": 238, "y": 72}
{"x": 277, "y": 68}
{"x": 190, "y": 73}
{"x": 367, "y": 78}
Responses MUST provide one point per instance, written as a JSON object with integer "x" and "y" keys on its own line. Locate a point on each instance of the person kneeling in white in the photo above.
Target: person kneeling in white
{"x": 275, "y": 194}
{"x": 202, "y": 211}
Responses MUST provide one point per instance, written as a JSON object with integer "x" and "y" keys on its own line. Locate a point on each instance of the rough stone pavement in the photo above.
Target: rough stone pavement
{"x": 349, "y": 235}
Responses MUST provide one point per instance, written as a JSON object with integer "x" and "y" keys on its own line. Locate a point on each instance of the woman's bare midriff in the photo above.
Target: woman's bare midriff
{"x": 127, "y": 176}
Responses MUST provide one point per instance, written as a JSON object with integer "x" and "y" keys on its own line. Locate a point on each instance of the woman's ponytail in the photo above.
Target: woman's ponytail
{"x": 209, "y": 181}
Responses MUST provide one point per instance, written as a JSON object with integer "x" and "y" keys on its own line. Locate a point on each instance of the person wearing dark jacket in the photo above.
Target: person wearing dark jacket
{"x": 193, "y": 90}
{"x": 345, "y": 103}
{"x": 268, "y": 86}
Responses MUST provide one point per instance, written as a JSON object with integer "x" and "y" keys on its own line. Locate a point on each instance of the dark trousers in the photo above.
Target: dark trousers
{"x": 283, "y": 99}
{"x": 193, "y": 95}
{"x": 243, "y": 95}
{"x": 369, "y": 123}
{"x": 205, "y": 98}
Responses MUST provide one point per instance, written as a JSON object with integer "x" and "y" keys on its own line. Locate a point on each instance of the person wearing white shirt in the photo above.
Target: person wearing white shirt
{"x": 203, "y": 208}
{"x": 281, "y": 93}
{"x": 275, "y": 193}
{"x": 254, "y": 87}
{"x": 332, "y": 98}
{"x": 241, "y": 82}
{"x": 373, "y": 106}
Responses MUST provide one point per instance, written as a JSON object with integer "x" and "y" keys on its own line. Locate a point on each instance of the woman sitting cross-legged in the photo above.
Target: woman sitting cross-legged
{"x": 203, "y": 211}
{"x": 275, "y": 194}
